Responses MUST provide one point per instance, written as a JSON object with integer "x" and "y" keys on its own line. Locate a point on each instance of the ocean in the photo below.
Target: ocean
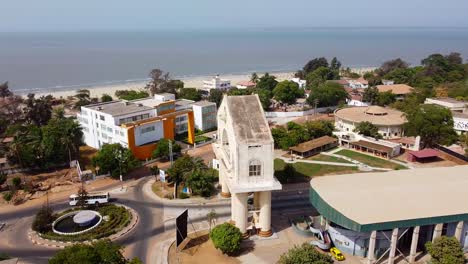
{"x": 32, "y": 62}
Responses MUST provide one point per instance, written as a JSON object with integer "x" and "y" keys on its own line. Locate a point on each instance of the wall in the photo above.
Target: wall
{"x": 460, "y": 124}
{"x": 157, "y": 134}
{"x": 385, "y": 131}
{"x": 299, "y": 113}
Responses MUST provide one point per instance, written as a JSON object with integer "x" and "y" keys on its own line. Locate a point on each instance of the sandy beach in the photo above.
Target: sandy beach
{"x": 191, "y": 82}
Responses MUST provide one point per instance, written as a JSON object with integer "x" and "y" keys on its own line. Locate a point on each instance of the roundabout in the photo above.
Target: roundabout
{"x": 77, "y": 222}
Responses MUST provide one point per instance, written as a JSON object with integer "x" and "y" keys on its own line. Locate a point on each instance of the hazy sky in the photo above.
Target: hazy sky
{"x": 73, "y": 15}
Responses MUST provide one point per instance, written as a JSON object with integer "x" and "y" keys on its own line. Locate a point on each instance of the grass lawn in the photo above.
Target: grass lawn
{"x": 370, "y": 160}
{"x": 306, "y": 170}
{"x": 326, "y": 158}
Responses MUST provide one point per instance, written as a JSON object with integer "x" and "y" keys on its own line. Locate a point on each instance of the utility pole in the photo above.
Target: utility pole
{"x": 316, "y": 101}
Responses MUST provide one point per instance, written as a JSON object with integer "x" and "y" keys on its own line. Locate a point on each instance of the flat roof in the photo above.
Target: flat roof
{"x": 250, "y": 124}
{"x": 377, "y": 115}
{"x": 117, "y": 108}
{"x": 204, "y": 103}
{"x": 313, "y": 144}
{"x": 386, "y": 200}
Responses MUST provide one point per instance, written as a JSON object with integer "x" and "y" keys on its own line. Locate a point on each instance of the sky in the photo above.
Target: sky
{"x": 124, "y": 15}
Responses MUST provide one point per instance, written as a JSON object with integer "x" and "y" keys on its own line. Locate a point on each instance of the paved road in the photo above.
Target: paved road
{"x": 151, "y": 227}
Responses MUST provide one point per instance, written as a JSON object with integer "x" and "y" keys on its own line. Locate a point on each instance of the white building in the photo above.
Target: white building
{"x": 360, "y": 83}
{"x": 216, "y": 83}
{"x": 204, "y": 113}
{"x": 301, "y": 83}
{"x": 459, "y": 111}
{"x": 244, "y": 149}
{"x": 245, "y": 85}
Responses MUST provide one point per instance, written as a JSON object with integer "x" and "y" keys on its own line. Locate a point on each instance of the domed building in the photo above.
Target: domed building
{"x": 389, "y": 121}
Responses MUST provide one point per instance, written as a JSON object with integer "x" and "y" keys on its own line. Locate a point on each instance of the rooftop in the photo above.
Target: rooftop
{"x": 395, "y": 88}
{"x": 447, "y": 100}
{"x": 204, "y": 103}
{"x": 425, "y": 153}
{"x": 313, "y": 144}
{"x": 247, "y": 114}
{"x": 385, "y": 200}
{"x": 374, "y": 146}
{"x": 117, "y": 108}
{"x": 375, "y": 114}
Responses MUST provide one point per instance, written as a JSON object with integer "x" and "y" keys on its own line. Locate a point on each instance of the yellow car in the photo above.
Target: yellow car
{"x": 336, "y": 254}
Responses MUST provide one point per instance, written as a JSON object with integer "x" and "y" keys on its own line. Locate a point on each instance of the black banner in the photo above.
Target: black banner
{"x": 181, "y": 227}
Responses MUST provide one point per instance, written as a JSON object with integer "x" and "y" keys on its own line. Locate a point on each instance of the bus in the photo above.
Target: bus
{"x": 92, "y": 198}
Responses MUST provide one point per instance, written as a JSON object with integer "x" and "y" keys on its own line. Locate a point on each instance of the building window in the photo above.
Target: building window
{"x": 147, "y": 129}
{"x": 101, "y": 117}
{"x": 255, "y": 168}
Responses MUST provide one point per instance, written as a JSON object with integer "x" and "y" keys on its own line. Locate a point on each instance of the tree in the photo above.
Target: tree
{"x": 216, "y": 96}
{"x": 3, "y": 178}
{"x": 184, "y": 166}
{"x": 116, "y": 159}
{"x": 106, "y": 98}
{"x": 267, "y": 82}
{"x": 130, "y": 95}
{"x": 314, "y": 64}
{"x": 386, "y": 98}
{"x": 368, "y": 129}
{"x": 305, "y": 254}
{"x": 82, "y": 197}
{"x": 370, "y": 95}
{"x": 211, "y": 217}
{"x": 335, "y": 66}
{"x": 159, "y": 82}
{"x": 4, "y": 90}
{"x": 433, "y": 123}
{"x": 43, "y": 220}
{"x": 16, "y": 182}
{"x": 391, "y": 65}
{"x": 190, "y": 94}
{"x": 84, "y": 98}
{"x": 445, "y": 250}
{"x": 287, "y": 92}
{"x": 38, "y": 111}
{"x": 201, "y": 183}
{"x": 58, "y": 113}
{"x": 162, "y": 149}
{"x": 265, "y": 97}
{"x": 102, "y": 252}
{"x": 227, "y": 238}
{"x": 327, "y": 94}
{"x": 318, "y": 77}
{"x": 254, "y": 77}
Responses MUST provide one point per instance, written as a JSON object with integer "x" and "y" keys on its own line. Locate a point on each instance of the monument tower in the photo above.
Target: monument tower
{"x": 245, "y": 151}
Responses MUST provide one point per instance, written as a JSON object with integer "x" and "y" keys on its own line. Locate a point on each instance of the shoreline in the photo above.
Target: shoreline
{"x": 97, "y": 90}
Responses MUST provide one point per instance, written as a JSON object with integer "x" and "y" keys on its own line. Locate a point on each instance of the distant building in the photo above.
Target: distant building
{"x": 388, "y": 82}
{"x": 205, "y": 115}
{"x": 301, "y": 83}
{"x": 137, "y": 125}
{"x": 216, "y": 83}
{"x": 245, "y": 85}
{"x": 389, "y": 121}
{"x": 359, "y": 83}
{"x": 459, "y": 112}
{"x": 399, "y": 90}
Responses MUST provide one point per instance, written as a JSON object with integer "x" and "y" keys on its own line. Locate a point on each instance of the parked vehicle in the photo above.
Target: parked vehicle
{"x": 91, "y": 198}
{"x": 336, "y": 254}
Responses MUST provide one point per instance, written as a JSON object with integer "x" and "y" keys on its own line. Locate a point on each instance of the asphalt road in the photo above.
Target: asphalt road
{"x": 139, "y": 242}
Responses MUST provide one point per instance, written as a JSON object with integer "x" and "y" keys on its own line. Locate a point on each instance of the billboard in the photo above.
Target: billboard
{"x": 181, "y": 227}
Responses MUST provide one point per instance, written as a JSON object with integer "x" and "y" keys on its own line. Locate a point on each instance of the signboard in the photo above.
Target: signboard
{"x": 181, "y": 227}
{"x": 162, "y": 175}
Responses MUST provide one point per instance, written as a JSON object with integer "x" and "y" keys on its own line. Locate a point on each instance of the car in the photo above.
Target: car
{"x": 336, "y": 254}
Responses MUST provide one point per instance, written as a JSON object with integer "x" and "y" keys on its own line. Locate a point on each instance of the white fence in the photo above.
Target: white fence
{"x": 299, "y": 113}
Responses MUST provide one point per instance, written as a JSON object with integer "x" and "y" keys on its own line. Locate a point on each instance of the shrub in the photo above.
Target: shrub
{"x": 3, "y": 178}
{"x": 169, "y": 196}
{"x": 16, "y": 181}
{"x": 445, "y": 250}
{"x": 154, "y": 170}
{"x": 8, "y": 195}
{"x": 4, "y": 256}
{"x": 183, "y": 195}
{"x": 306, "y": 254}
{"x": 201, "y": 183}
{"x": 43, "y": 220}
{"x": 226, "y": 238}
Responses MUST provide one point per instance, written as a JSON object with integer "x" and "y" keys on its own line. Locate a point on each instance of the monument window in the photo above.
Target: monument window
{"x": 255, "y": 168}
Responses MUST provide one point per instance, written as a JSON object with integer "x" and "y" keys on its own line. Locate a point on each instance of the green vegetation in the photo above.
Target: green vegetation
{"x": 102, "y": 252}
{"x": 43, "y": 220}
{"x": 162, "y": 83}
{"x": 287, "y": 92}
{"x": 374, "y": 97}
{"x": 3, "y": 178}
{"x": 445, "y": 250}
{"x": 190, "y": 94}
{"x": 370, "y": 160}
{"x": 4, "y": 256}
{"x": 327, "y": 158}
{"x": 201, "y": 182}
{"x": 368, "y": 129}
{"x": 106, "y": 98}
{"x": 216, "y": 96}
{"x": 131, "y": 94}
{"x": 302, "y": 171}
{"x": 433, "y": 123}
{"x": 7, "y": 196}
{"x": 305, "y": 254}
{"x": 293, "y": 133}
{"x": 162, "y": 149}
{"x": 227, "y": 238}
{"x": 83, "y": 98}
{"x": 119, "y": 218}
{"x": 327, "y": 94}
{"x": 115, "y": 159}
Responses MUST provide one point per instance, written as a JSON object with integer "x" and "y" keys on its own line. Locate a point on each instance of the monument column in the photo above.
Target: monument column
{"x": 437, "y": 231}
{"x": 222, "y": 180}
{"x": 414, "y": 244}
{"x": 459, "y": 230}
{"x": 371, "y": 250}
{"x": 239, "y": 207}
{"x": 265, "y": 214}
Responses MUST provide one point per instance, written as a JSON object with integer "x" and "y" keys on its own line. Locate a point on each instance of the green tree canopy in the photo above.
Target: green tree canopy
{"x": 305, "y": 254}
{"x": 162, "y": 149}
{"x": 433, "y": 123}
{"x": 267, "y": 82}
{"x": 43, "y": 220}
{"x": 328, "y": 94}
{"x": 445, "y": 250}
{"x": 391, "y": 65}
{"x": 317, "y": 77}
{"x": 4, "y": 90}
{"x": 100, "y": 252}
{"x": 314, "y": 64}
{"x": 190, "y": 94}
{"x": 106, "y": 98}
{"x": 201, "y": 182}
{"x": 131, "y": 94}
{"x": 293, "y": 133}
{"x": 368, "y": 129}
{"x": 227, "y": 238}
{"x": 113, "y": 157}
{"x": 38, "y": 111}
{"x": 184, "y": 166}
{"x": 265, "y": 97}
{"x": 216, "y": 96}
{"x": 287, "y": 92}
{"x": 370, "y": 95}
{"x": 160, "y": 82}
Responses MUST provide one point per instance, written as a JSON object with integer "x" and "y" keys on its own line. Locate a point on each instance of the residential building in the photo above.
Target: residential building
{"x": 388, "y": 82}
{"x": 301, "y": 83}
{"x": 216, "y": 83}
{"x": 359, "y": 83}
{"x": 205, "y": 115}
{"x": 388, "y": 121}
{"x": 399, "y": 90}
{"x": 245, "y": 85}
{"x": 459, "y": 112}
{"x": 137, "y": 125}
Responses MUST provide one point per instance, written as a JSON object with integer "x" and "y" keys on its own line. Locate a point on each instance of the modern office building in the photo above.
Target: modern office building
{"x": 137, "y": 124}
{"x": 382, "y": 215}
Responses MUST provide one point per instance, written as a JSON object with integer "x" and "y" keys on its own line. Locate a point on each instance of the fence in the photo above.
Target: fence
{"x": 452, "y": 153}
{"x": 300, "y": 113}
